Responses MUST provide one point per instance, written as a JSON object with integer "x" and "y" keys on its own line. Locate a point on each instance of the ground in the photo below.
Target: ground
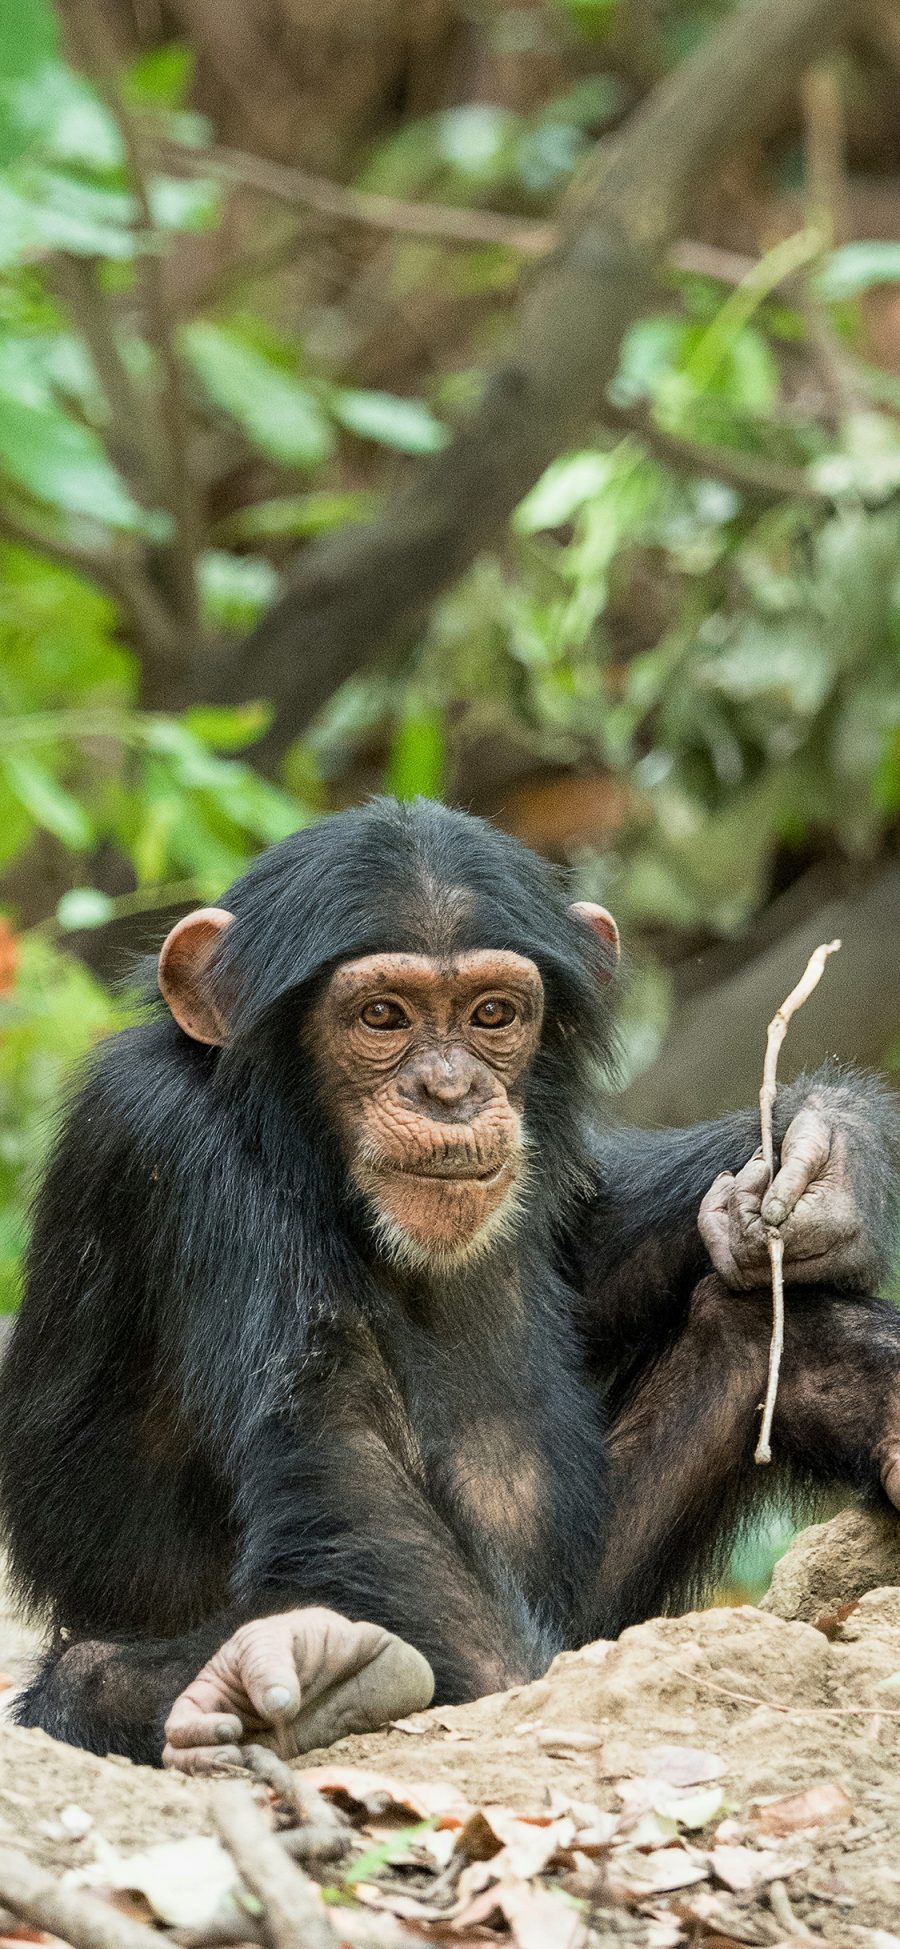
{"x": 751, "y": 1761}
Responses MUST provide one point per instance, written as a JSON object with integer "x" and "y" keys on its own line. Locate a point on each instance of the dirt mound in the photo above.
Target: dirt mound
{"x": 773, "y": 1711}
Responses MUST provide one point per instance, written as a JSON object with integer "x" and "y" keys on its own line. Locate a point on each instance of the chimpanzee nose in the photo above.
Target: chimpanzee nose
{"x": 450, "y": 1083}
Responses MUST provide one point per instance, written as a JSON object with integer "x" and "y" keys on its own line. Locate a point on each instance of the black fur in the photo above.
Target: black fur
{"x": 219, "y": 1400}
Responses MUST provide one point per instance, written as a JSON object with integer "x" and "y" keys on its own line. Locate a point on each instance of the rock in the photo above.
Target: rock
{"x": 834, "y": 1563}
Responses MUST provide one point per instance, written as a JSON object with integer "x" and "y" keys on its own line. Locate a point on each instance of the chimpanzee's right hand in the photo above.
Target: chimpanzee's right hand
{"x": 293, "y": 1682}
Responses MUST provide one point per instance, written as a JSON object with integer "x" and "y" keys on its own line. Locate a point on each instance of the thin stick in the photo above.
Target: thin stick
{"x": 777, "y": 1030}
{"x": 36, "y": 1895}
{"x": 296, "y": 1916}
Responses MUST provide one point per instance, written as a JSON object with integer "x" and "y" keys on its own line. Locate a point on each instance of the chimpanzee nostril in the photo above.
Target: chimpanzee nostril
{"x": 445, "y": 1082}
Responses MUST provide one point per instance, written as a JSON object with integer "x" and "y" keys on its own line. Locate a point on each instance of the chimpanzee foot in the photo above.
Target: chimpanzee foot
{"x": 293, "y": 1682}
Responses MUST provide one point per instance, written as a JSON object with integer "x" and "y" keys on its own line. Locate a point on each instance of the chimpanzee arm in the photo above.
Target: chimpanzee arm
{"x": 681, "y": 1450}
{"x": 638, "y": 1248}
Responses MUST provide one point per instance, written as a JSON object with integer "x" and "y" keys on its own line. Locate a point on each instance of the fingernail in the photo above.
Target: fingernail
{"x": 278, "y": 1698}
{"x": 227, "y": 1731}
{"x": 773, "y": 1211}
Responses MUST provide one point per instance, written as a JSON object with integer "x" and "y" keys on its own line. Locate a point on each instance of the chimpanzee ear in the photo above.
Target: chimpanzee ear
{"x": 601, "y": 922}
{"x": 183, "y": 964}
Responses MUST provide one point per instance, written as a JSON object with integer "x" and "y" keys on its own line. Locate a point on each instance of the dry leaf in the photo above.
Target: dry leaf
{"x": 633, "y": 1877}
{"x": 373, "y": 1794}
{"x": 184, "y": 1882}
{"x": 744, "y": 1868}
{"x": 539, "y": 1919}
{"x": 822, "y": 1806}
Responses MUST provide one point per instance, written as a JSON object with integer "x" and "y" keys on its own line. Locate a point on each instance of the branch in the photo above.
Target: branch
{"x": 763, "y": 481}
{"x": 440, "y": 222}
{"x": 179, "y": 494}
{"x": 38, "y": 1896}
{"x": 122, "y": 577}
{"x": 76, "y": 281}
{"x": 296, "y": 1915}
{"x": 356, "y": 593}
{"x": 777, "y": 1030}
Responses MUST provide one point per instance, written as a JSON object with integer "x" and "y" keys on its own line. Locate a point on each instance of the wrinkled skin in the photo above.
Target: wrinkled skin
{"x": 308, "y": 1677}
{"x": 295, "y": 1681}
{"x": 810, "y": 1202}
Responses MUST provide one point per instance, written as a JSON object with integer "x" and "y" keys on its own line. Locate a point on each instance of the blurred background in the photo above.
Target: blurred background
{"x": 256, "y": 259}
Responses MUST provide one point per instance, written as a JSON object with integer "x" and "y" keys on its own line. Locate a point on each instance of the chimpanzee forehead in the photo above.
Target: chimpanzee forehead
{"x": 426, "y": 975}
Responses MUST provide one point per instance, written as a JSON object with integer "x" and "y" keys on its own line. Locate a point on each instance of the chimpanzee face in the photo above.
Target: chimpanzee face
{"x": 422, "y": 1066}
{"x": 422, "y": 1062}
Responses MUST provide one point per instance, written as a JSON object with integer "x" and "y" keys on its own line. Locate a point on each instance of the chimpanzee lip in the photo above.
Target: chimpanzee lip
{"x": 449, "y": 1174}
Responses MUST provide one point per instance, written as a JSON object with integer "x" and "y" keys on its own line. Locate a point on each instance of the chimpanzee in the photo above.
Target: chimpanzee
{"x": 356, "y": 1362}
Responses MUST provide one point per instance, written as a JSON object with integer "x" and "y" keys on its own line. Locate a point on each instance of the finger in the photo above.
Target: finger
{"x": 712, "y": 1224}
{"x": 718, "y": 1194}
{"x": 186, "y": 1726}
{"x": 263, "y": 1656}
{"x": 804, "y": 1154}
{"x": 202, "y": 1759}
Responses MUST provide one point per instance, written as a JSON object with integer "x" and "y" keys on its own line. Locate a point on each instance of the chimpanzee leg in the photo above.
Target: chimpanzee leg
{"x": 105, "y": 1695}
{"x": 681, "y": 1451}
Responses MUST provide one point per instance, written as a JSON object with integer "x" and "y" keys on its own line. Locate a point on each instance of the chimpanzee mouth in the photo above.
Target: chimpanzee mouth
{"x": 446, "y": 1172}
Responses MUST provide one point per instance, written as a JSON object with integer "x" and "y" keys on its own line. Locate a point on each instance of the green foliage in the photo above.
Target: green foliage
{"x": 750, "y": 720}
{"x": 50, "y": 1020}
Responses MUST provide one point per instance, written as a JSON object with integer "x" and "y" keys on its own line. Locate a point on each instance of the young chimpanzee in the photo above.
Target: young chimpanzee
{"x": 352, "y": 1353}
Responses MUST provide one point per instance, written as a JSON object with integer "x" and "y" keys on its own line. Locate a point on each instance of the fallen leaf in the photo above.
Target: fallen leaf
{"x": 743, "y": 1868}
{"x": 184, "y": 1882}
{"x": 683, "y": 1766}
{"x": 539, "y": 1919}
{"x": 830, "y": 1621}
{"x": 361, "y": 1792}
{"x": 822, "y": 1806}
{"x": 633, "y": 1877}
{"x": 646, "y": 1797}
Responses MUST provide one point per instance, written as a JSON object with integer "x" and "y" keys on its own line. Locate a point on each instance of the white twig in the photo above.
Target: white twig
{"x": 775, "y": 1034}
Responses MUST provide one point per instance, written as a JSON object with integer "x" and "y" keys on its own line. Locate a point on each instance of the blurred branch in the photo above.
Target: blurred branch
{"x": 763, "y": 481}
{"x": 122, "y": 578}
{"x": 440, "y": 221}
{"x": 179, "y": 493}
{"x": 355, "y": 594}
{"x": 855, "y": 1018}
{"x": 76, "y": 281}
{"x": 823, "y": 117}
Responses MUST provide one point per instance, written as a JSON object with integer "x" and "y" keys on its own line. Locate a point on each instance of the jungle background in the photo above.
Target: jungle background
{"x": 495, "y": 400}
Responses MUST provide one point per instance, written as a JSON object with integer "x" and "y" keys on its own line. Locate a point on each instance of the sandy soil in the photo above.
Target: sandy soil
{"x": 785, "y": 1704}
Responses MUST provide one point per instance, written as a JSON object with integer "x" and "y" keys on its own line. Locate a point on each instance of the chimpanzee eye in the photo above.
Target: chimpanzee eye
{"x": 494, "y": 1014}
{"x": 383, "y": 1015}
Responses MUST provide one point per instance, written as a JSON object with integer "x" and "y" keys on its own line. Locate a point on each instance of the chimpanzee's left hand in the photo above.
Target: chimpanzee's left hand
{"x": 301, "y": 1679}
{"x": 813, "y": 1202}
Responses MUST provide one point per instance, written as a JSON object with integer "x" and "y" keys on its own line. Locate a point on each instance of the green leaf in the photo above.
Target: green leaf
{"x": 162, "y": 77}
{"x": 224, "y": 729}
{"x": 46, "y": 801}
{"x": 856, "y": 268}
{"x": 297, "y": 515}
{"x": 562, "y": 490}
{"x": 280, "y": 413}
{"x": 417, "y": 760}
{"x": 62, "y": 464}
{"x": 84, "y": 907}
{"x": 235, "y": 588}
{"x": 405, "y": 424}
{"x": 28, "y": 37}
{"x": 185, "y": 202}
